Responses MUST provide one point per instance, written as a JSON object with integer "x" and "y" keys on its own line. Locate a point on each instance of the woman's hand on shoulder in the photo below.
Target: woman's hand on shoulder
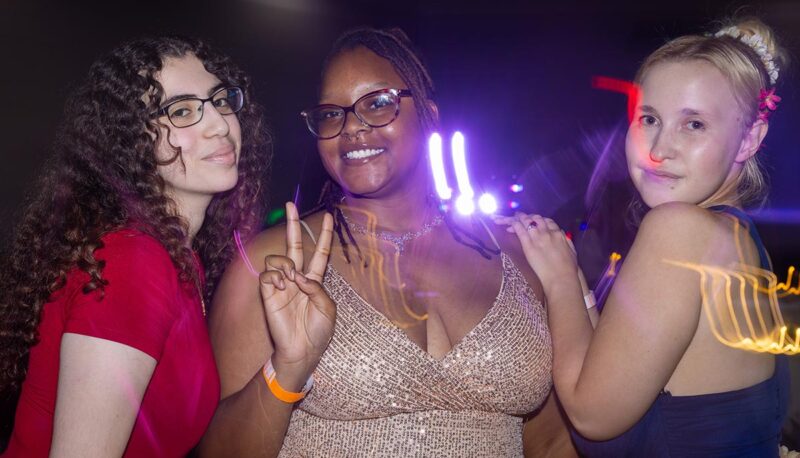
{"x": 547, "y": 249}
{"x": 300, "y": 315}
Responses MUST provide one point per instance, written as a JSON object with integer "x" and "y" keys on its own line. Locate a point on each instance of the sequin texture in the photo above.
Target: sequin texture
{"x": 377, "y": 393}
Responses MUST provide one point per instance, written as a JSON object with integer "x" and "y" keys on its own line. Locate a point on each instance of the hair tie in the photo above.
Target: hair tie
{"x": 756, "y": 43}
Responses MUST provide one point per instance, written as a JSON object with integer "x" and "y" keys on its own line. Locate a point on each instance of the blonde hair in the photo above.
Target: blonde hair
{"x": 742, "y": 67}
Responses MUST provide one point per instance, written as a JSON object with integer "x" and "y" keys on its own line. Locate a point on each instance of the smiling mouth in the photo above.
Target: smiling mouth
{"x": 363, "y": 153}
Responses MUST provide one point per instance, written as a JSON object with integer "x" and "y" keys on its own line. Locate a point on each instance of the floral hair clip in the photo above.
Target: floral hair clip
{"x": 768, "y": 103}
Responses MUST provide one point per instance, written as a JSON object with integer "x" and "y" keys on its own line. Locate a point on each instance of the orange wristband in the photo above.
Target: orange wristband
{"x": 278, "y": 391}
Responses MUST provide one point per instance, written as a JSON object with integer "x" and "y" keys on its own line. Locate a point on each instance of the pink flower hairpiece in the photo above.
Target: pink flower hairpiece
{"x": 768, "y": 103}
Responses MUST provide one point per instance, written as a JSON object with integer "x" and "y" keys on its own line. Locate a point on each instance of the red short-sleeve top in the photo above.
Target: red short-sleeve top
{"x": 144, "y": 306}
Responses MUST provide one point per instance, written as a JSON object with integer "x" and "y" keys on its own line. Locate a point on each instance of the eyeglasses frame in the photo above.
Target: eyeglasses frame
{"x": 163, "y": 111}
{"x": 399, "y": 93}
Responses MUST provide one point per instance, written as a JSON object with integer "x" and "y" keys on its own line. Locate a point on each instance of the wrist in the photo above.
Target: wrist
{"x": 282, "y": 392}
{"x": 562, "y": 281}
{"x": 292, "y": 376}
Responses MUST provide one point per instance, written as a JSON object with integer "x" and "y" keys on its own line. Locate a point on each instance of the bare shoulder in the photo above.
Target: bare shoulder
{"x": 677, "y": 215}
{"x": 273, "y": 240}
{"x": 511, "y": 246}
{"x": 686, "y": 231}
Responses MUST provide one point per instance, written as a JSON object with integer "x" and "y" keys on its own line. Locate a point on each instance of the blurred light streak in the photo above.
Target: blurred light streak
{"x": 631, "y": 90}
{"x": 750, "y": 282}
{"x": 465, "y": 205}
{"x": 778, "y": 215}
{"x": 487, "y": 203}
{"x": 612, "y": 266}
{"x": 437, "y": 166}
{"x": 457, "y": 149}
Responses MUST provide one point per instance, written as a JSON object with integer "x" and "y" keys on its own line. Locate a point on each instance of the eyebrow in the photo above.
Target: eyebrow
{"x": 178, "y": 97}
{"x": 684, "y": 111}
{"x": 691, "y": 112}
{"x": 371, "y": 88}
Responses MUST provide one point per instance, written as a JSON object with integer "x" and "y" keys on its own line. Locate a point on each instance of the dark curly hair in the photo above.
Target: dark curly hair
{"x": 103, "y": 177}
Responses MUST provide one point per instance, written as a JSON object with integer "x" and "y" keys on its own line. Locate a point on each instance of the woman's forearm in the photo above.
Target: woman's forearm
{"x": 250, "y": 422}
{"x": 571, "y": 332}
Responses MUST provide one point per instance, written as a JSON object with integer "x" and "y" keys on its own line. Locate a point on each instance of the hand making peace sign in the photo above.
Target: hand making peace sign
{"x": 300, "y": 315}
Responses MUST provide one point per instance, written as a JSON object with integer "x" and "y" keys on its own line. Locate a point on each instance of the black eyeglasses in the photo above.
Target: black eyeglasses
{"x": 376, "y": 109}
{"x": 189, "y": 111}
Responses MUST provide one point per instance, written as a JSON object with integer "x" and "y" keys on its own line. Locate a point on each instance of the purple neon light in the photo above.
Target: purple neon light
{"x": 460, "y": 164}
{"x": 487, "y": 203}
{"x": 465, "y": 205}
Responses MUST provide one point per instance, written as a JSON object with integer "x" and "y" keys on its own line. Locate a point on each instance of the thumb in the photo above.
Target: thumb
{"x": 316, "y": 294}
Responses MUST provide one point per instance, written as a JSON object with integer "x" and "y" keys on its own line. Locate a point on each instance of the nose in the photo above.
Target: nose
{"x": 661, "y": 147}
{"x": 214, "y": 123}
{"x": 353, "y": 125}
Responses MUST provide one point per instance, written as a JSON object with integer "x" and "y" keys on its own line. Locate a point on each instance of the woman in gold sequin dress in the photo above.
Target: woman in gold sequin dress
{"x": 422, "y": 335}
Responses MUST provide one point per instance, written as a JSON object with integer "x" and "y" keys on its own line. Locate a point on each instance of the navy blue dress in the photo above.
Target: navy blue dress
{"x": 740, "y": 423}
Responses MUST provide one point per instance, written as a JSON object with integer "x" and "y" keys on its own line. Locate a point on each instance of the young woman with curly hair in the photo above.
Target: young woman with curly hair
{"x": 103, "y": 339}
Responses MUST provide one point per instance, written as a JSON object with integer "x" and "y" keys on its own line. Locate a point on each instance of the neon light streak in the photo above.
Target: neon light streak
{"x": 437, "y": 166}
{"x": 733, "y": 306}
{"x": 628, "y": 88}
{"x": 612, "y": 266}
{"x": 465, "y": 205}
{"x": 460, "y": 164}
{"x": 736, "y": 315}
{"x": 487, "y": 203}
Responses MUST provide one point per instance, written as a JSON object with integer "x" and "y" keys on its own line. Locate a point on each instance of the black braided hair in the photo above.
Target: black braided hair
{"x": 394, "y": 46}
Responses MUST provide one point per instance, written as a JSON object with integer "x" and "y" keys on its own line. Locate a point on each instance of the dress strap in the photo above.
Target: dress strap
{"x": 491, "y": 236}
{"x": 310, "y": 232}
{"x": 751, "y": 229}
{"x": 243, "y": 254}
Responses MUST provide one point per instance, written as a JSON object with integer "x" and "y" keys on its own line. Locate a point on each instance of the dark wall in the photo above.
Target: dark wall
{"x": 514, "y": 76}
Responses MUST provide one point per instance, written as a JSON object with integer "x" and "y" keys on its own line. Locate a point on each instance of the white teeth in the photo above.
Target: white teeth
{"x": 363, "y": 153}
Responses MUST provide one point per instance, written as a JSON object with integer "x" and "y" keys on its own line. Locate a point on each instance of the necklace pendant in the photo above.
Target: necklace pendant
{"x": 398, "y": 240}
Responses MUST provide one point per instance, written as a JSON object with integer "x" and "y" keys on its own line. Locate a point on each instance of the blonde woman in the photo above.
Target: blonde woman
{"x": 652, "y": 379}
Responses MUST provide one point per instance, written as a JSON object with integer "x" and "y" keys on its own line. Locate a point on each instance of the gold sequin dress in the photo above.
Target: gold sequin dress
{"x": 378, "y": 394}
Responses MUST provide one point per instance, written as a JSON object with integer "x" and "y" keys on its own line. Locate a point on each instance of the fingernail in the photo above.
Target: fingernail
{"x": 292, "y": 274}
{"x": 302, "y": 278}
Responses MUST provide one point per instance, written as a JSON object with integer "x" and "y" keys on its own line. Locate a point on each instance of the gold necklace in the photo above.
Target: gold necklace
{"x": 200, "y": 295}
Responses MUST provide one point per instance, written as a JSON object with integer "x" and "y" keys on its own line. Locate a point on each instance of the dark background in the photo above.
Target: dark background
{"x": 515, "y": 77}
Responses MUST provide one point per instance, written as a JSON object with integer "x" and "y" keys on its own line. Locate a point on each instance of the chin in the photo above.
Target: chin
{"x": 226, "y": 185}
{"x": 363, "y": 187}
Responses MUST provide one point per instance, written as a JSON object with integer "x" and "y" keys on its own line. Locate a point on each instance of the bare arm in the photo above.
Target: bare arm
{"x": 282, "y": 315}
{"x": 608, "y": 380}
{"x": 101, "y": 384}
